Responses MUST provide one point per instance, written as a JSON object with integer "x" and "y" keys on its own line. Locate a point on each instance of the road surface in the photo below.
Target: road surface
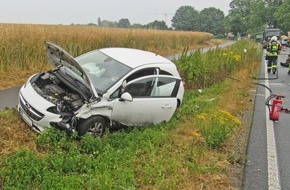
{"x": 268, "y": 155}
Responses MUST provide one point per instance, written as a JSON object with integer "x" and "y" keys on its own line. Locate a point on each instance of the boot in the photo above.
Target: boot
{"x": 283, "y": 64}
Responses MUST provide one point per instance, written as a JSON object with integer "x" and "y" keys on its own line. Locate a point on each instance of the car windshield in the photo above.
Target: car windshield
{"x": 103, "y": 70}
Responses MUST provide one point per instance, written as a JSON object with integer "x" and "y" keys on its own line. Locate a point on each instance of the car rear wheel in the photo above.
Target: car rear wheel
{"x": 94, "y": 125}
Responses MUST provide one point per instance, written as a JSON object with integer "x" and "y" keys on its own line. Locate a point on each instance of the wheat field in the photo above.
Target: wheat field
{"x": 22, "y": 50}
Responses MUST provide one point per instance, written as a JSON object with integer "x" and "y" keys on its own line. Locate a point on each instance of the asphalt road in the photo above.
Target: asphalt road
{"x": 268, "y": 163}
{"x": 9, "y": 98}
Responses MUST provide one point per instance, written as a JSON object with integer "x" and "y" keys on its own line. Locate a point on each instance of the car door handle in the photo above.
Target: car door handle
{"x": 167, "y": 106}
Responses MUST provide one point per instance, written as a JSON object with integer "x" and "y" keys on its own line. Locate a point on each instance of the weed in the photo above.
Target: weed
{"x": 216, "y": 127}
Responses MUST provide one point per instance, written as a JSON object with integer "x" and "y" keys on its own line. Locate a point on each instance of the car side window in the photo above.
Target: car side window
{"x": 153, "y": 87}
{"x": 147, "y": 72}
{"x": 165, "y": 87}
{"x": 141, "y": 88}
{"x": 146, "y": 87}
{"x": 142, "y": 73}
{"x": 138, "y": 74}
{"x": 162, "y": 72}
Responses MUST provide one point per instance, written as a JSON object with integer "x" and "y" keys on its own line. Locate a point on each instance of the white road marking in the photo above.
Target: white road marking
{"x": 273, "y": 170}
{"x": 276, "y": 84}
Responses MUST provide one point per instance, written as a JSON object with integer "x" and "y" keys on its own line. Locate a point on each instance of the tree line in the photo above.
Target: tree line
{"x": 244, "y": 17}
{"x": 253, "y": 16}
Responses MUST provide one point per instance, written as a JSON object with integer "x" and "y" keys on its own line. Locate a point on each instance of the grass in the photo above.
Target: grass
{"x": 173, "y": 155}
{"x": 14, "y": 133}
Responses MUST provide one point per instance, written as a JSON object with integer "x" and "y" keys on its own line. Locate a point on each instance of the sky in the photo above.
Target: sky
{"x": 88, "y": 11}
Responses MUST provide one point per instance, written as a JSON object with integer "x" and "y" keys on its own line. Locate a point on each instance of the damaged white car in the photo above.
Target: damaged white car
{"x": 100, "y": 89}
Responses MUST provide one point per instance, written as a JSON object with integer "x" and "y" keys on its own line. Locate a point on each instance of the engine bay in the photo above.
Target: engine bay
{"x": 51, "y": 88}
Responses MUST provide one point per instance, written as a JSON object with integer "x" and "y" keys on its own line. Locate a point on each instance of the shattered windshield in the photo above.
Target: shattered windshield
{"x": 103, "y": 70}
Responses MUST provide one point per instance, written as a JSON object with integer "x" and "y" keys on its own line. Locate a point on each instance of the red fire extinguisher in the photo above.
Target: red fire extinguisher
{"x": 276, "y": 107}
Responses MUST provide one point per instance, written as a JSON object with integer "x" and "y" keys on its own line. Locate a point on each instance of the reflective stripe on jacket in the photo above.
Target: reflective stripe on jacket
{"x": 273, "y": 48}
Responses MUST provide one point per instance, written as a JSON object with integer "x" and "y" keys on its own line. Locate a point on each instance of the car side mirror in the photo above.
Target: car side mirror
{"x": 126, "y": 97}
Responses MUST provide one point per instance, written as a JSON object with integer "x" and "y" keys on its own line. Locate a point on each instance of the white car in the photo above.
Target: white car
{"x": 99, "y": 89}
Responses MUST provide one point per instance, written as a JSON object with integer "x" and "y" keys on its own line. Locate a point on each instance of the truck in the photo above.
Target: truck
{"x": 230, "y": 36}
{"x": 268, "y": 33}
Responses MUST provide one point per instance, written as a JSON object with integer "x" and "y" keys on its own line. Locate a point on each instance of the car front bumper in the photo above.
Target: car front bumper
{"x": 33, "y": 109}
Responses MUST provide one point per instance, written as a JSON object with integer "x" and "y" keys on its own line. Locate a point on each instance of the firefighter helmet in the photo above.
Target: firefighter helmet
{"x": 274, "y": 38}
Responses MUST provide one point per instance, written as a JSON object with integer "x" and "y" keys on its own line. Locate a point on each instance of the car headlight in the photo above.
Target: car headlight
{"x": 29, "y": 79}
{"x": 52, "y": 109}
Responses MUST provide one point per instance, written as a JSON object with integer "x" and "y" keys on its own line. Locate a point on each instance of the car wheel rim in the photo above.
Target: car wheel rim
{"x": 96, "y": 129}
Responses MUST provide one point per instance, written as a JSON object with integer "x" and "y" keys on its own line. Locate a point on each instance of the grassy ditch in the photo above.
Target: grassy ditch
{"x": 195, "y": 150}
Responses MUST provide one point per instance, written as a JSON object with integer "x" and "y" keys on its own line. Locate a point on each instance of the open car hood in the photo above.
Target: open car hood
{"x": 58, "y": 56}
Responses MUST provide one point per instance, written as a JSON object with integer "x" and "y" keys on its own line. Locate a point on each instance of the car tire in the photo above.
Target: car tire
{"x": 94, "y": 125}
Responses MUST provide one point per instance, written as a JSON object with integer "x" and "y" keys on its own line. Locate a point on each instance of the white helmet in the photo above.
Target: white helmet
{"x": 274, "y": 38}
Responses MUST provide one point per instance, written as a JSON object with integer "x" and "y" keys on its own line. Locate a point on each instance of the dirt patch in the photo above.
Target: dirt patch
{"x": 238, "y": 146}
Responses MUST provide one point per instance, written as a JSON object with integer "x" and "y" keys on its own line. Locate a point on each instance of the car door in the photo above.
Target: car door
{"x": 154, "y": 101}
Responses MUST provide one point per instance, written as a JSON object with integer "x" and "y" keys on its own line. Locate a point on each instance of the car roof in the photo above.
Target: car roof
{"x": 134, "y": 57}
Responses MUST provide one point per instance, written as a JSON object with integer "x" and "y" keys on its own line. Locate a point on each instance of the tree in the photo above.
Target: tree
{"x": 282, "y": 15}
{"x": 135, "y": 25}
{"x": 271, "y": 9}
{"x": 212, "y": 20}
{"x": 124, "y": 23}
{"x": 158, "y": 25}
{"x": 99, "y": 22}
{"x": 186, "y": 18}
{"x": 106, "y": 23}
{"x": 236, "y": 20}
{"x": 254, "y": 16}
{"x": 256, "y": 20}
{"x": 91, "y": 24}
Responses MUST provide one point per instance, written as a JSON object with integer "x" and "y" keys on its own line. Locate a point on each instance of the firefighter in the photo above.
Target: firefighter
{"x": 273, "y": 50}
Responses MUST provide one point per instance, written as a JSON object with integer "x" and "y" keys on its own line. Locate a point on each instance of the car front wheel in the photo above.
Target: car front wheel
{"x": 94, "y": 125}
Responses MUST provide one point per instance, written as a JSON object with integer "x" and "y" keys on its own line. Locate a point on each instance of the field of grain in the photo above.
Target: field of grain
{"x": 23, "y": 52}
